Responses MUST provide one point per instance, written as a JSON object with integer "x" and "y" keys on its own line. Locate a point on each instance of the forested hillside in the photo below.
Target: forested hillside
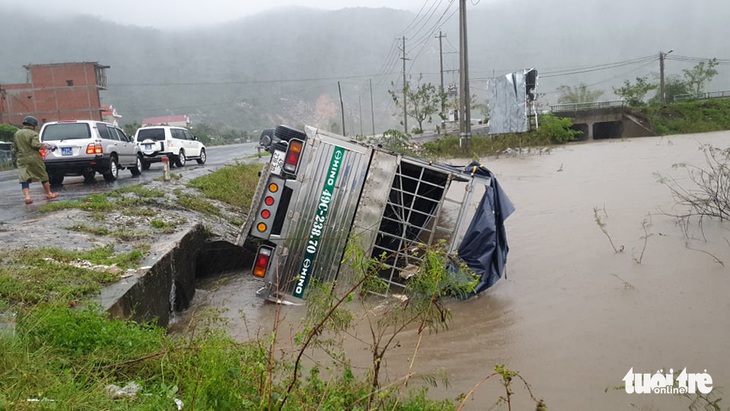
{"x": 284, "y": 66}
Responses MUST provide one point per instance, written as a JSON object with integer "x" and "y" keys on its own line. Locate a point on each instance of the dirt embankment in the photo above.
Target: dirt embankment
{"x": 131, "y": 222}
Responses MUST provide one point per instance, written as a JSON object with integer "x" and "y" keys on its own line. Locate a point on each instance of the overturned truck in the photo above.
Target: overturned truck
{"x": 320, "y": 190}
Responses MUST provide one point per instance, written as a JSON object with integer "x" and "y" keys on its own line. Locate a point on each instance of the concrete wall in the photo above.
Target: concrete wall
{"x": 168, "y": 285}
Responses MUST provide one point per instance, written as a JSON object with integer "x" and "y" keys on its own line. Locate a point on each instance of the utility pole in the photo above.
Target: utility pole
{"x": 464, "y": 98}
{"x": 359, "y": 104}
{"x": 405, "y": 89}
{"x": 662, "y": 96}
{"x": 372, "y": 109}
{"x": 441, "y": 70}
{"x": 342, "y": 109}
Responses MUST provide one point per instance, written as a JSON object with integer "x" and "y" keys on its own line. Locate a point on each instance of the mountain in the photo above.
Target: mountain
{"x": 284, "y": 66}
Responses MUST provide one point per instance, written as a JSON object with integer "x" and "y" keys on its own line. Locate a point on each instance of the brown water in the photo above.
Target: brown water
{"x": 572, "y": 316}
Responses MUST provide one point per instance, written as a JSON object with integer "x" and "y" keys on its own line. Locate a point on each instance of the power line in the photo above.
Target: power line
{"x": 606, "y": 66}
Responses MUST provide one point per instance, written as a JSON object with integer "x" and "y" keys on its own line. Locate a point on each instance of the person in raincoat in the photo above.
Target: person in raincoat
{"x": 31, "y": 167}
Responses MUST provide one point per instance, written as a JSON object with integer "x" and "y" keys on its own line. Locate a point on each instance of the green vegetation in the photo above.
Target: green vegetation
{"x": 234, "y": 185}
{"x": 688, "y": 117}
{"x": 52, "y": 274}
{"x": 64, "y": 352}
{"x": 553, "y": 130}
{"x": 424, "y": 101}
{"x": 690, "y": 85}
{"x": 198, "y": 204}
{"x": 7, "y": 131}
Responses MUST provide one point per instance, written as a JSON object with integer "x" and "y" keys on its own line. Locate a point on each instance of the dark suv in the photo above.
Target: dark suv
{"x": 85, "y": 147}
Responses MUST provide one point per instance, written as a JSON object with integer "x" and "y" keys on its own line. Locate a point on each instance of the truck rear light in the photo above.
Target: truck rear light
{"x": 293, "y": 153}
{"x": 94, "y": 149}
{"x": 266, "y": 214}
{"x": 261, "y": 263}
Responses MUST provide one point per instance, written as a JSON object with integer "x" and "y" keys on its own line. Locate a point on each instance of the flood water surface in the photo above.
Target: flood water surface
{"x": 572, "y": 315}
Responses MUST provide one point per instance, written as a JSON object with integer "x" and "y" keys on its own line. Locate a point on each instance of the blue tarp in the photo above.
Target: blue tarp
{"x": 484, "y": 246}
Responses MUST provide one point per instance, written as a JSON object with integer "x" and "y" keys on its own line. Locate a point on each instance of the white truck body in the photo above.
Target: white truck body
{"x": 303, "y": 215}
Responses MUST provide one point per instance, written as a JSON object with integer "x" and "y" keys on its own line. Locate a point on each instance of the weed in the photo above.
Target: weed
{"x": 32, "y": 276}
{"x": 234, "y": 185}
{"x": 602, "y": 226}
{"x": 99, "y": 231}
{"x": 161, "y": 225}
{"x": 198, "y": 204}
{"x": 644, "y": 224}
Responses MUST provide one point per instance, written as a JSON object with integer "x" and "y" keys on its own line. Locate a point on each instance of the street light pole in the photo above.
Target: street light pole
{"x": 662, "y": 96}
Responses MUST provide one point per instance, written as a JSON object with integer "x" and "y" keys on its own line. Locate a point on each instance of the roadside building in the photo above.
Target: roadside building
{"x": 178, "y": 121}
{"x": 59, "y": 91}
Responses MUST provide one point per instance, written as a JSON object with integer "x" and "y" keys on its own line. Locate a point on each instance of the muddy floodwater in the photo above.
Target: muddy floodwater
{"x": 572, "y": 316}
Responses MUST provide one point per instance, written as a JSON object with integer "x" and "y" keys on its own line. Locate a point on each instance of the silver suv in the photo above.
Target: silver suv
{"x": 178, "y": 144}
{"x": 85, "y": 147}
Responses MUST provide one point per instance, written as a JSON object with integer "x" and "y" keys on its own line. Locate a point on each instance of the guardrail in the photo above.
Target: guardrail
{"x": 703, "y": 96}
{"x": 587, "y": 106}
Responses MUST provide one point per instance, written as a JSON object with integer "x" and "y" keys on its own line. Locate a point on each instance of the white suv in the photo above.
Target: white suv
{"x": 87, "y": 147}
{"x": 178, "y": 144}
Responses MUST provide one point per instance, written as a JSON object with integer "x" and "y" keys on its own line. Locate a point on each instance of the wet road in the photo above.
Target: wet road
{"x": 572, "y": 316}
{"x": 11, "y": 197}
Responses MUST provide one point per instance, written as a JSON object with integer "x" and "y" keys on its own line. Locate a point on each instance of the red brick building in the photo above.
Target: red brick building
{"x": 61, "y": 91}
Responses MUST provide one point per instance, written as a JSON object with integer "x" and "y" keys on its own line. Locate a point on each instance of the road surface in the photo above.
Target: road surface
{"x": 12, "y": 207}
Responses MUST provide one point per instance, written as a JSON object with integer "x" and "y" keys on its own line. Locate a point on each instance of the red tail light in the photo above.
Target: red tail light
{"x": 291, "y": 161}
{"x": 94, "y": 149}
{"x": 261, "y": 263}
{"x": 43, "y": 152}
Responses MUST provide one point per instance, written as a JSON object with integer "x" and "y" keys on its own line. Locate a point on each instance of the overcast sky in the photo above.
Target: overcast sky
{"x": 169, "y": 13}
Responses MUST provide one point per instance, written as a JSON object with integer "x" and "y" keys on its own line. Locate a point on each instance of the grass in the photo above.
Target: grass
{"x": 198, "y": 204}
{"x": 234, "y": 185}
{"x": 31, "y": 276}
{"x": 688, "y": 117}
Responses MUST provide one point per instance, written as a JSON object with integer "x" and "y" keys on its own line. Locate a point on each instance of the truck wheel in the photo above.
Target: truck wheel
{"x": 112, "y": 172}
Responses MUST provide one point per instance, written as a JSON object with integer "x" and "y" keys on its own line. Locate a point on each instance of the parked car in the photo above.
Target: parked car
{"x": 178, "y": 144}
{"x": 85, "y": 147}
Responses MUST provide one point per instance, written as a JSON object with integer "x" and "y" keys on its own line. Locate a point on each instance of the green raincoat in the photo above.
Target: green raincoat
{"x": 30, "y": 163}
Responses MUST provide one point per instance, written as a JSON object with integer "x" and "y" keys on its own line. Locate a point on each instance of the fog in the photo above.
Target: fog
{"x": 284, "y": 65}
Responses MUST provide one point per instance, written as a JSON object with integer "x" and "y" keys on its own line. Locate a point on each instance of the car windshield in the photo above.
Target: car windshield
{"x": 67, "y": 131}
{"x": 151, "y": 134}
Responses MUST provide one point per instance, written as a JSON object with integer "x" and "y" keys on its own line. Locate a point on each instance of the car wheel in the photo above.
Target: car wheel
{"x": 180, "y": 160}
{"x": 89, "y": 176}
{"x": 113, "y": 170}
{"x": 55, "y": 179}
{"x": 137, "y": 169}
{"x": 203, "y": 157}
{"x": 146, "y": 165}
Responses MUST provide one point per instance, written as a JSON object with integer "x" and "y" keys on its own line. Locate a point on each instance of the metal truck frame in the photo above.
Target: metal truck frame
{"x": 320, "y": 190}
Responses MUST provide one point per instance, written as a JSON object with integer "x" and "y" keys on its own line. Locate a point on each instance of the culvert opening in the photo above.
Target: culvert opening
{"x": 218, "y": 257}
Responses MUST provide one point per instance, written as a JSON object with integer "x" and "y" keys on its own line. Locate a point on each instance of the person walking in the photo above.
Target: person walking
{"x": 26, "y": 145}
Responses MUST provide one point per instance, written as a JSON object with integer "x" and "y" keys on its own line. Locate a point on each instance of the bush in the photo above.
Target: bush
{"x": 556, "y": 129}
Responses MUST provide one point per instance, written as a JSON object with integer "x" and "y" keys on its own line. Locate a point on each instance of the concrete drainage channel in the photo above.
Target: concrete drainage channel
{"x": 169, "y": 284}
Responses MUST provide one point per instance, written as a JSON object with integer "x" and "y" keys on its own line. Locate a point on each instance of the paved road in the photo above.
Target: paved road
{"x": 12, "y": 207}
